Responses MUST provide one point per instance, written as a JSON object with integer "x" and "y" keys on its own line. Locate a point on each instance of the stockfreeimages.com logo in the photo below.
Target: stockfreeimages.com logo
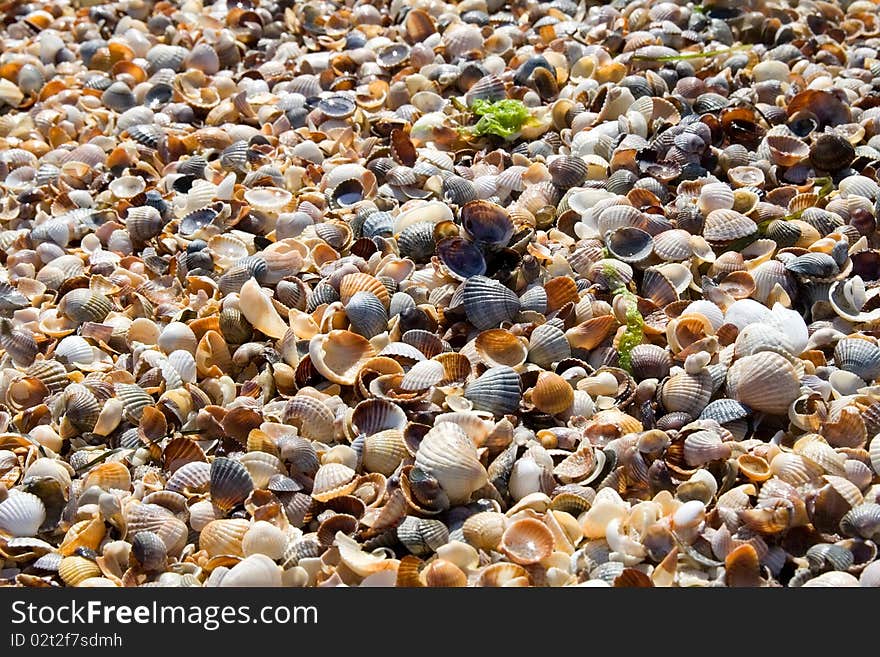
{"x": 210, "y": 617}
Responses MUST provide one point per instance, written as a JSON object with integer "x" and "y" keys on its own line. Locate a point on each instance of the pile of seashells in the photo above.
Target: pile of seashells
{"x": 276, "y": 311}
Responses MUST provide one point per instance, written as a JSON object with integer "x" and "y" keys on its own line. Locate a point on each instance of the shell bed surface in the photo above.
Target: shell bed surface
{"x": 425, "y": 294}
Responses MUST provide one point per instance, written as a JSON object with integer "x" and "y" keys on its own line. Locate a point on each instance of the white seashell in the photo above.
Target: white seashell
{"x": 447, "y": 454}
{"x": 21, "y": 514}
{"x": 257, "y": 309}
{"x": 255, "y": 570}
{"x": 266, "y": 539}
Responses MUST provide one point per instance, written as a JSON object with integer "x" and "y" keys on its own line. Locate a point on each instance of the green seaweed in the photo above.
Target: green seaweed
{"x": 502, "y": 118}
{"x": 634, "y": 334}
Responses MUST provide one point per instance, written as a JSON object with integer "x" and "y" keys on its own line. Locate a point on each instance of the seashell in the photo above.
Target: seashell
{"x": 333, "y": 480}
{"x": 629, "y": 244}
{"x": 527, "y": 541}
{"x": 462, "y": 258}
{"x": 862, "y": 521}
{"x": 498, "y": 391}
{"x": 498, "y": 347}
{"x": 258, "y": 310}
{"x": 230, "y": 483}
{"x": 22, "y": 514}
{"x": 687, "y": 393}
{"x": 766, "y": 382}
{"x": 422, "y": 536}
{"x": 548, "y": 345}
{"x": 264, "y": 538}
{"x": 485, "y": 530}
{"x": 339, "y": 355}
{"x": 552, "y": 394}
{"x": 650, "y": 361}
{"x": 75, "y": 570}
{"x": 447, "y": 454}
{"x": 82, "y": 305}
{"x": 860, "y": 357}
{"x": 224, "y": 537}
{"x": 724, "y": 226}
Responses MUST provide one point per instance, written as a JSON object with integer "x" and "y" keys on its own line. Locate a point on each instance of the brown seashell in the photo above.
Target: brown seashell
{"x": 527, "y": 541}
{"x": 552, "y": 394}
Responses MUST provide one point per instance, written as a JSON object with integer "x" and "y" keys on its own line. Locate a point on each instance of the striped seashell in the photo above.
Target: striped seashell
{"x": 312, "y": 418}
{"x": 766, "y": 382}
{"x": 82, "y": 305}
{"x": 498, "y": 391}
{"x": 230, "y": 483}
{"x": 224, "y": 537}
{"x": 488, "y": 303}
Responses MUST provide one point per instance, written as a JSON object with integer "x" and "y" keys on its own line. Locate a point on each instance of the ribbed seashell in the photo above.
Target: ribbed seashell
{"x": 19, "y": 344}
{"x": 422, "y": 536}
{"x": 649, "y": 361}
{"x": 107, "y": 476}
{"x": 367, "y": 314}
{"x": 75, "y": 570}
{"x": 134, "y": 400}
{"x": 567, "y": 171}
{"x": 266, "y": 539}
{"x": 488, "y": 303}
{"x": 766, "y": 382}
{"x": 374, "y": 415}
{"x": 417, "y": 242}
{"x": 22, "y": 514}
{"x": 487, "y": 223}
{"x": 52, "y": 373}
{"x": 333, "y": 480}
{"x": 702, "y": 447}
{"x": 311, "y": 417}
{"x": 498, "y": 347}
{"x": 82, "y": 305}
{"x": 723, "y": 226}
{"x": 862, "y": 521}
{"x": 498, "y": 391}
{"x": 548, "y": 345}
{"x": 153, "y": 518}
{"x": 687, "y": 393}
{"x": 230, "y": 483}
{"x": 224, "y": 537}
{"x": 383, "y": 451}
{"x": 861, "y": 357}
{"x": 164, "y": 56}
{"x": 447, "y": 454}
{"x": 552, "y": 394}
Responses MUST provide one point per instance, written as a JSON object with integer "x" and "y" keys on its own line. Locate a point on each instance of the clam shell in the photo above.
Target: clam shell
{"x": 498, "y": 391}
{"x": 422, "y": 536}
{"x": 22, "y": 514}
{"x": 447, "y": 454}
{"x": 333, "y": 480}
{"x": 224, "y": 537}
{"x": 527, "y": 541}
{"x": 861, "y": 357}
{"x": 766, "y": 382}
{"x": 230, "y": 483}
{"x": 548, "y": 345}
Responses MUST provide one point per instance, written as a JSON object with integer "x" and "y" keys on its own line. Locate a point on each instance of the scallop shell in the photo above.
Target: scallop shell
{"x": 82, "y": 305}
{"x": 22, "y": 514}
{"x": 488, "y": 303}
{"x": 548, "y": 345}
{"x": 333, "y": 480}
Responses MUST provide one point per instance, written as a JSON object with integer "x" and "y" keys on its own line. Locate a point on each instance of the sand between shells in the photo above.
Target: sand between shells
{"x": 433, "y": 294}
